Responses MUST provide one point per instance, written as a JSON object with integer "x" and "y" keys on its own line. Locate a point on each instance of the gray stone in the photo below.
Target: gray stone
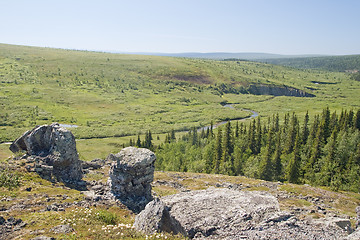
{"x": 53, "y": 151}
{"x": 342, "y": 223}
{"x": 207, "y": 212}
{"x": 43, "y": 238}
{"x": 160, "y": 220}
{"x": 62, "y": 229}
{"x": 93, "y": 164}
{"x": 130, "y": 176}
{"x": 229, "y": 214}
{"x": 354, "y": 236}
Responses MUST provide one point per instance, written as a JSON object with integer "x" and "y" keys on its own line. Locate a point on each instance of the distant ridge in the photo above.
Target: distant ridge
{"x": 225, "y": 55}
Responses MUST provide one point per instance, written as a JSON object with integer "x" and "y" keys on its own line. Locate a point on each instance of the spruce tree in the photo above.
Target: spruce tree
{"x": 209, "y": 156}
{"x": 278, "y": 168}
{"x": 138, "y": 142}
{"x": 291, "y": 134}
{"x": 148, "y": 140}
{"x": 218, "y": 151}
{"x": 172, "y": 136}
{"x": 312, "y": 165}
{"x": 194, "y": 138}
{"x": 258, "y": 136}
{"x": 305, "y": 130}
{"x": 228, "y": 144}
{"x": 350, "y": 119}
{"x": 276, "y": 123}
{"x": 325, "y": 125}
{"x": 266, "y": 167}
{"x": 237, "y": 129}
{"x": 293, "y": 168}
{"x": 357, "y": 120}
{"x": 251, "y": 137}
{"x": 228, "y": 148}
{"x": 329, "y": 168}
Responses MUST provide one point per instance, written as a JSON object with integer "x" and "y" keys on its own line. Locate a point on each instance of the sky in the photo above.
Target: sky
{"x": 328, "y": 27}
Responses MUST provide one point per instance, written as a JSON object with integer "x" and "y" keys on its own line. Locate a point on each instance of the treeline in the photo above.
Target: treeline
{"x": 332, "y": 63}
{"x": 324, "y": 151}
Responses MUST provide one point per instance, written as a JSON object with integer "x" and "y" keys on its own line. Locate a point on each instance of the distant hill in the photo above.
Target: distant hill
{"x": 226, "y": 55}
{"x": 348, "y": 63}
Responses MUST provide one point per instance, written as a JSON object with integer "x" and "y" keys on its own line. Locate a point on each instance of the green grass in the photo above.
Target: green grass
{"x": 117, "y": 96}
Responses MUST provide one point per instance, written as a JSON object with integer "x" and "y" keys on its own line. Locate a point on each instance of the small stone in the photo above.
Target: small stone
{"x": 43, "y": 238}
{"x": 62, "y": 229}
{"x": 2, "y": 220}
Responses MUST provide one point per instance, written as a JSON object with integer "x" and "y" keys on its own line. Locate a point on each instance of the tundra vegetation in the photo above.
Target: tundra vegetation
{"x": 114, "y": 100}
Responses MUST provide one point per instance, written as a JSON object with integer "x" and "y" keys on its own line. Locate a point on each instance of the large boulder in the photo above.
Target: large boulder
{"x": 52, "y": 149}
{"x": 219, "y": 213}
{"x": 130, "y": 176}
{"x": 208, "y": 212}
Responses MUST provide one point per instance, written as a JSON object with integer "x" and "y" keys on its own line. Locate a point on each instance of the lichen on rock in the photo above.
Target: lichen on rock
{"x": 131, "y": 175}
{"x": 51, "y": 152}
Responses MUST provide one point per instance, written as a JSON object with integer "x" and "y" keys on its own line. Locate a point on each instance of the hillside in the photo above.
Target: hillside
{"x": 114, "y": 95}
{"x": 43, "y": 206}
{"x": 251, "y": 56}
{"x": 349, "y": 63}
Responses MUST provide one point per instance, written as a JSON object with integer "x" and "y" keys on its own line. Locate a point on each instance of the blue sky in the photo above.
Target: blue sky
{"x": 173, "y": 26}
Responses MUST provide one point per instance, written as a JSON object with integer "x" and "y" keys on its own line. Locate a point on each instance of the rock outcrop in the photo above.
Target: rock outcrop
{"x": 264, "y": 89}
{"x": 130, "y": 176}
{"x": 52, "y": 152}
{"x": 218, "y": 213}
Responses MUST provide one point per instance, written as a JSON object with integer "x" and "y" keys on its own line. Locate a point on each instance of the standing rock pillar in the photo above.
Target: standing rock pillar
{"x": 131, "y": 175}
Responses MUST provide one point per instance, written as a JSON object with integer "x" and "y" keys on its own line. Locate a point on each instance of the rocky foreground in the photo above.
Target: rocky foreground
{"x": 195, "y": 206}
{"x": 230, "y": 214}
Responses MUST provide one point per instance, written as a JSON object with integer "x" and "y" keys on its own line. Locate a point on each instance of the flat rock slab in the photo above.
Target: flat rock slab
{"x": 219, "y": 213}
{"x": 209, "y": 212}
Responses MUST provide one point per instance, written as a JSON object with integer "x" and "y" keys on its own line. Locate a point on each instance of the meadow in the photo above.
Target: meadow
{"x": 114, "y": 97}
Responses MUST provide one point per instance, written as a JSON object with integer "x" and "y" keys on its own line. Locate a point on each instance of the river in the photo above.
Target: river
{"x": 254, "y": 115}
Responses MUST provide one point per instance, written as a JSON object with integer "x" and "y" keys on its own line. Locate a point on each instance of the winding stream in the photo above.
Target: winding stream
{"x": 254, "y": 115}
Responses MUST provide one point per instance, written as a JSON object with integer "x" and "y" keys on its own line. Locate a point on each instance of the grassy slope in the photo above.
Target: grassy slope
{"x": 114, "y": 95}
{"x": 89, "y": 225}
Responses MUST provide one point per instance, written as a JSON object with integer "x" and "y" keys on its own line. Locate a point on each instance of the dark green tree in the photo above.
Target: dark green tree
{"x": 138, "y": 142}
{"x": 305, "y": 130}
{"x": 266, "y": 166}
{"x": 258, "y": 137}
{"x": 278, "y": 168}
{"x": 293, "y": 130}
{"x": 357, "y": 120}
{"x": 237, "y": 129}
{"x": 325, "y": 125}
{"x": 218, "y": 151}
{"x": 172, "y": 136}
{"x": 194, "y": 138}
{"x": 293, "y": 168}
{"x": 148, "y": 140}
{"x": 252, "y": 137}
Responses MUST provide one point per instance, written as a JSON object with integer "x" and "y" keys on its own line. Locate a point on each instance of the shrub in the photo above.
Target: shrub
{"x": 9, "y": 179}
{"x": 106, "y": 217}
